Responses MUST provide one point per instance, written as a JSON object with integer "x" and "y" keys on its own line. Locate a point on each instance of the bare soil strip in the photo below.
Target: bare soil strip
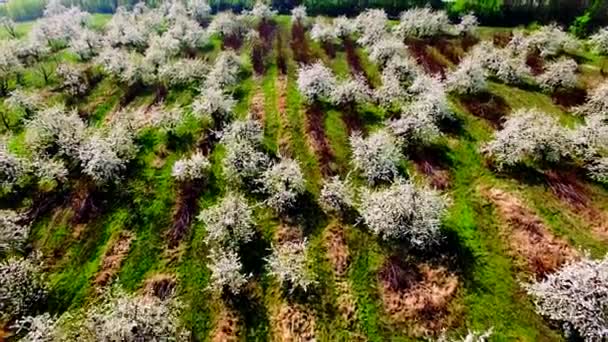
{"x": 528, "y": 236}
{"x": 256, "y": 107}
{"x": 318, "y": 139}
{"x": 227, "y": 327}
{"x": 293, "y": 323}
{"x": 113, "y": 259}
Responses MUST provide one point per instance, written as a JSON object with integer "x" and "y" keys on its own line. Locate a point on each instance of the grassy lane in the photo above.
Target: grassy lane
{"x": 271, "y": 118}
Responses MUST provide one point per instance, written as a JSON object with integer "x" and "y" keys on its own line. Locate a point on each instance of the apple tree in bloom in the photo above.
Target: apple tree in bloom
{"x": 73, "y": 79}
{"x": 244, "y": 161}
{"x": 430, "y": 98}
{"x": 49, "y": 172}
{"x": 468, "y": 24}
{"x": 25, "y": 101}
{"x": 10, "y": 65}
{"x": 183, "y": 71}
{"x": 130, "y": 318}
{"x": 316, "y": 82}
{"x": 229, "y": 223}
{"x": 415, "y": 126}
{"x": 298, "y": 14}
{"x": 226, "y": 271}
{"x": 528, "y": 134}
{"x": 344, "y": 27}
{"x": 225, "y": 70}
{"x": 9, "y": 26}
{"x": 55, "y": 131}
{"x": 351, "y": 91}
{"x": 228, "y": 24}
{"x": 598, "y": 170}
{"x": 261, "y": 12}
{"x": 599, "y": 41}
{"x": 468, "y": 78}
{"x": 188, "y": 33}
{"x": 597, "y": 101}
{"x": 376, "y": 156}
{"x": 199, "y": 10}
{"x": 337, "y": 196}
{"x": 214, "y": 104}
{"x": 22, "y": 288}
{"x": 289, "y": 264}
{"x": 404, "y": 211}
{"x": 576, "y": 296}
{"x": 385, "y": 49}
{"x": 551, "y": 40}
{"x": 195, "y": 167}
{"x": 12, "y": 168}
{"x": 372, "y": 25}
{"x": 41, "y": 328}
{"x": 123, "y": 30}
{"x": 591, "y": 138}
{"x": 421, "y": 23}
{"x": 13, "y": 232}
{"x": 323, "y": 31}
{"x": 86, "y": 44}
{"x": 284, "y": 183}
{"x": 559, "y": 74}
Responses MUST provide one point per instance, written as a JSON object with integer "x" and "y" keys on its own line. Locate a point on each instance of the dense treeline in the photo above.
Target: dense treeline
{"x": 583, "y": 15}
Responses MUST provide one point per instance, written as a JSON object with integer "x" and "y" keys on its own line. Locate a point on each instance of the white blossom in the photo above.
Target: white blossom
{"x": 9, "y": 26}
{"x": 214, "y": 103}
{"x": 404, "y": 211}
{"x": 99, "y": 160}
{"x": 249, "y": 131}
{"x": 12, "y": 168}
{"x": 228, "y": 24}
{"x": 73, "y": 79}
{"x": 298, "y": 14}
{"x": 576, "y": 296}
{"x": 261, "y": 11}
{"x": 421, "y": 23}
{"x": 385, "y": 49}
{"x": 131, "y": 318}
{"x": 559, "y": 74}
{"x": 598, "y": 170}
{"x": 196, "y": 167}
{"x": 289, "y": 264}
{"x": 41, "y": 328}
{"x": 199, "y": 10}
{"x": 372, "y": 25}
{"x": 472, "y": 336}
{"x": 316, "y": 82}
{"x": 13, "y": 232}
{"x": 591, "y": 138}
{"x": 161, "y": 49}
{"x": 49, "y": 170}
{"x": 468, "y": 24}
{"x": 224, "y": 72}
{"x": 244, "y": 162}
{"x": 430, "y": 98}
{"x": 597, "y": 101}
{"x": 55, "y": 128}
{"x": 468, "y": 78}
{"x": 114, "y": 61}
{"x": 323, "y": 31}
{"x": 86, "y": 44}
{"x": 124, "y": 30}
{"x": 226, "y": 271}
{"x": 336, "y": 196}
{"x": 599, "y": 41}
{"x": 376, "y": 156}
{"x": 230, "y": 222}
{"x": 415, "y": 127}
{"x": 21, "y": 288}
{"x": 284, "y": 182}
{"x": 344, "y": 27}
{"x": 551, "y": 40}
{"x": 188, "y": 33}
{"x": 528, "y": 134}
{"x": 183, "y": 71}
{"x": 353, "y": 90}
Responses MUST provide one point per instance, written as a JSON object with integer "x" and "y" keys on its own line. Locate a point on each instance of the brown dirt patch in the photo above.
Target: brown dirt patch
{"x": 488, "y": 106}
{"x": 232, "y": 41}
{"x": 257, "y": 106}
{"x": 567, "y": 188}
{"x": 287, "y": 233}
{"x": 568, "y": 98}
{"x": 293, "y": 323}
{"x": 84, "y": 203}
{"x": 318, "y": 139}
{"x": 450, "y": 48}
{"x": 281, "y": 56}
{"x": 113, "y": 258}
{"x": 418, "y": 295}
{"x": 161, "y": 286}
{"x": 227, "y": 327}
{"x": 501, "y": 39}
{"x": 299, "y": 44}
{"x": 420, "y": 51}
{"x": 186, "y": 209}
{"x": 284, "y": 145}
{"x": 529, "y": 237}
{"x": 258, "y": 56}
{"x": 337, "y": 250}
{"x": 535, "y": 62}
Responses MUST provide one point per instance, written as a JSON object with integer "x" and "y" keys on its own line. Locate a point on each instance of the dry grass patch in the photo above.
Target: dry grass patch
{"x": 337, "y": 250}
{"x": 160, "y": 285}
{"x": 113, "y": 258}
{"x": 528, "y": 236}
{"x": 256, "y": 107}
{"x": 293, "y": 323}
{"x": 284, "y": 145}
{"x": 418, "y": 296}
{"x": 227, "y": 327}
{"x": 570, "y": 190}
